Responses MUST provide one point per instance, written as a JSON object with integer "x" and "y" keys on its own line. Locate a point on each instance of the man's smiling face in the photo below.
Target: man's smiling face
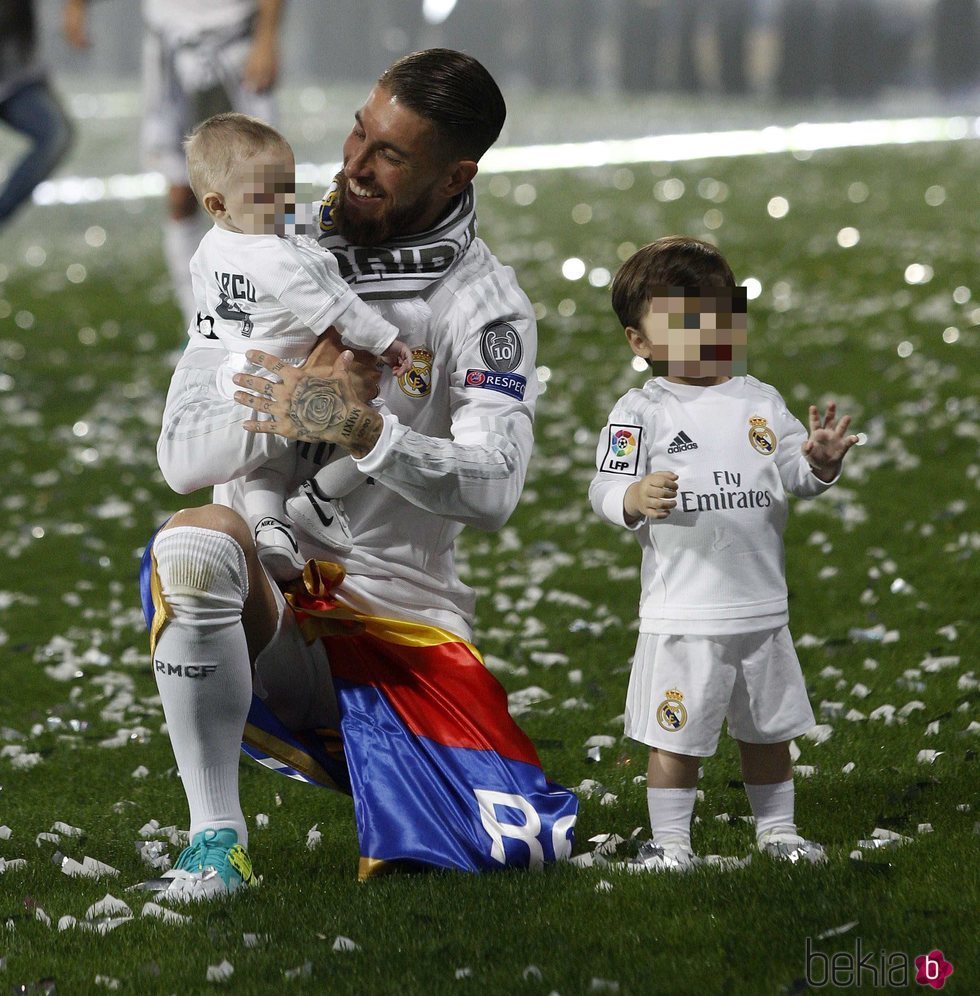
{"x": 396, "y": 173}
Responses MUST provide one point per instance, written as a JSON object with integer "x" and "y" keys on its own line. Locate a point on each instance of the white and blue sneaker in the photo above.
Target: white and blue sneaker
{"x": 212, "y": 866}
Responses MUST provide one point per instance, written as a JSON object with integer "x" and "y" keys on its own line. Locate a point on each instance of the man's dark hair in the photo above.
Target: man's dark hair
{"x": 455, "y": 93}
{"x": 665, "y": 268}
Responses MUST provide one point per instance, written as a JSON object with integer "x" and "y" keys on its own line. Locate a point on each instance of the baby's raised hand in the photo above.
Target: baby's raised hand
{"x": 399, "y": 357}
{"x": 827, "y": 445}
{"x": 652, "y": 497}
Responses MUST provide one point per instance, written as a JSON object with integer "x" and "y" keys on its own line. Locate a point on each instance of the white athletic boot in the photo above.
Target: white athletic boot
{"x": 277, "y": 548}
{"x": 321, "y": 517}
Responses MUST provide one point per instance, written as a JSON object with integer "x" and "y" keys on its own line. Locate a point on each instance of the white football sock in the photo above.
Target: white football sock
{"x": 671, "y": 810}
{"x": 339, "y": 477}
{"x": 772, "y": 806}
{"x": 202, "y": 669}
{"x": 181, "y": 237}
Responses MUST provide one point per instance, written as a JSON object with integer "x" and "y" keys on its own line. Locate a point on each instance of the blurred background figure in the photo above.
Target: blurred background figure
{"x": 956, "y": 27}
{"x": 28, "y": 105}
{"x": 200, "y": 57}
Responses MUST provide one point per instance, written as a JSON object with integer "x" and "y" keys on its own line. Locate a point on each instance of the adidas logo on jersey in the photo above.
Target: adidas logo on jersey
{"x": 682, "y": 441}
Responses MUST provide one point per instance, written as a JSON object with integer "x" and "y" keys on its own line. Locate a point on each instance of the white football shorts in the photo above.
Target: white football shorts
{"x": 185, "y": 83}
{"x": 682, "y": 688}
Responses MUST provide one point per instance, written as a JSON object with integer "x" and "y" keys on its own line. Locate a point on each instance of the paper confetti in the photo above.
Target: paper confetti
{"x": 344, "y": 944}
{"x": 164, "y": 914}
{"x": 221, "y": 972}
{"x": 109, "y": 906}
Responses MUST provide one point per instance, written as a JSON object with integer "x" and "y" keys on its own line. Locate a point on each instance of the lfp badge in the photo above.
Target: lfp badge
{"x": 624, "y": 449}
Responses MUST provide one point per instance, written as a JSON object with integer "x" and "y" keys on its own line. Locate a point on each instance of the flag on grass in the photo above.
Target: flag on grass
{"x": 440, "y": 773}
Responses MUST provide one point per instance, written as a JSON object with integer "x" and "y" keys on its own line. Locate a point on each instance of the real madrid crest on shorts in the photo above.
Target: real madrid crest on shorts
{"x": 671, "y": 714}
{"x": 762, "y": 438}
{"x": 418, "y": 381}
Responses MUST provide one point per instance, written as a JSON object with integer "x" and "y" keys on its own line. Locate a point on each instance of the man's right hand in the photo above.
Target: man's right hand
{"x": 324, "y": 400}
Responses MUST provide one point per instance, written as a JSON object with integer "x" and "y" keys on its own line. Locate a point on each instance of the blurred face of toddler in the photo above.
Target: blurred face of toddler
{"x": 260, "y": 195}
{"x": 694, "y": 333}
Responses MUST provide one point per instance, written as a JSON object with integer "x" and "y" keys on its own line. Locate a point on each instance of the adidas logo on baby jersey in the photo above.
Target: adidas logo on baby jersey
{"x": 682, "y": 441}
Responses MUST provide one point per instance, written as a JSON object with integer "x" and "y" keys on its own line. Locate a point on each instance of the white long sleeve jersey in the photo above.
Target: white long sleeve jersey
{"x": 454, "y": 450}
{"x": 276, "y": 293}
{"x": 715, "y": 565}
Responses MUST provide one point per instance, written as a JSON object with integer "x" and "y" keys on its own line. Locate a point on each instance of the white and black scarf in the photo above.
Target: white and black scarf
{"x": 403, "y": 268}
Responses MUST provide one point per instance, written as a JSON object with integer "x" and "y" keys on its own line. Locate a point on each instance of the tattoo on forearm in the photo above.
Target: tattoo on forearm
{"x": 316, "y": 407}
{"x": 359, "y": 431}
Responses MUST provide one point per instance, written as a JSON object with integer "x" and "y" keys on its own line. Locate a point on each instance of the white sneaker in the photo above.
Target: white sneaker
{"x": 668, "y": 855}
{"x": 277, "y": 548}
{"x": 785, "y": 844}
{"x": 321, "y": 517}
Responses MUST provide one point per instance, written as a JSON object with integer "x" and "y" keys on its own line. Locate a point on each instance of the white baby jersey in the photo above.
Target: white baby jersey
{"x": 187, "y": 19}
{"x": 276, "y": 293}
{"x": 454, "y": 451}
{"x": 715, "y": 565}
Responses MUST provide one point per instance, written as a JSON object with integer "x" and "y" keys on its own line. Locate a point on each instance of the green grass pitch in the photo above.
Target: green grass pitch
{"x": 882, "y": 574}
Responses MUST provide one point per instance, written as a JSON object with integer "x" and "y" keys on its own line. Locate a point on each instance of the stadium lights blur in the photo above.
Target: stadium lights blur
{"x": 436, "y": 11}
{"x": 723, "y": 144}
{"x": 804, "y": 137}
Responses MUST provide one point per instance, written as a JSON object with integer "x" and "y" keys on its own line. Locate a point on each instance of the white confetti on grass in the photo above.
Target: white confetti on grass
{"x": 600, "y": 740}
{"x": 109, "y": 906}
{"x": 221, "y": 972}
{"x": 164, "y": 914}
{"x": 66, "y": 829}
{"x": 342, "y": 943}
{"x": 87, "y": 868}
{"x": 313, "y": 837}
{"x": 13, "y": 864}
{"x": 820, "y": 733}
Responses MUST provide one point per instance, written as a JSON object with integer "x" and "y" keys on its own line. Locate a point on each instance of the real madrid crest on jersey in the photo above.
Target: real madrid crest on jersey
{"x": 671, "y": 714}
{"x": 327, "y": 226}
{"x": 418, "y": 381}
{"x": 762, "y": 438}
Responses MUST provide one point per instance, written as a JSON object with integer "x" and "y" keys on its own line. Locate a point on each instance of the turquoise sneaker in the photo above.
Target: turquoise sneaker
{"x": 214, "y": 865}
